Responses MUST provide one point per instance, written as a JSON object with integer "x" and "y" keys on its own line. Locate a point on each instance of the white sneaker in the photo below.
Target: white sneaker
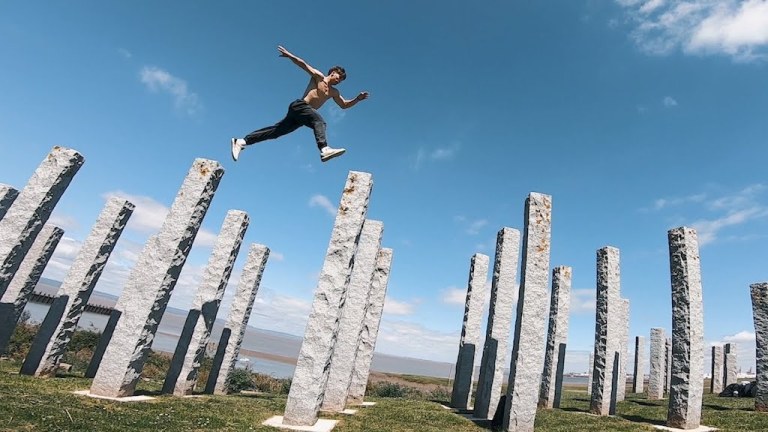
{"x": 238, "y": 144}
{"x": 328, "y": 153}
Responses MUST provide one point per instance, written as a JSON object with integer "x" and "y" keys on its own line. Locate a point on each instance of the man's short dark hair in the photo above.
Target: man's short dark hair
{"x": 340, "y": 70}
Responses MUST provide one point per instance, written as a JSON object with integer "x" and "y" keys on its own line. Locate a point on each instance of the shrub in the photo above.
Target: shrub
{"x": 22, "y": 337}
{"x": 390, "y": 390}
{"x": 239, "y": 380}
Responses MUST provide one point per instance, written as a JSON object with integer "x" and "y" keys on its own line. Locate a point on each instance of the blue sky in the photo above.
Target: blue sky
{"x": 636, "y": 116}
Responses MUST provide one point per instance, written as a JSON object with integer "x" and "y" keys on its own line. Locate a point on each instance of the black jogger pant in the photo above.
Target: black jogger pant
{"x": 299, "y": 114}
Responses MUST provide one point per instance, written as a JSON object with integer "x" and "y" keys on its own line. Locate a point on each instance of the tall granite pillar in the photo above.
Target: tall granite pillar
{"x": 731, "y": 365}
{"x": 759, "y": 294}
{"x": 352, "y": 317}
{"x": 668, "y": 374}
{"x": 60, "y": 322}
{"x": 371, "y": 323}
{"x": 530, "y": 340}
{"x": 152, "y": 280}
{"x": 687, "y": 383}
{"x": 13, "y": 302}
{"x": 7, "y": 195}
{"x": 716, "y": 383}
{"x": 32, "y": 208}
{"x": 494, "y": 360}
{"x": 239, "y": 314}
{"x": 657, "y": 375}
{"x": 623, "y": 351}
{"x": 185, "y": 364}
{"x": 607, "y": 330}
{"x": 470, "y": 332}
{"x": 589, "y": 372}
{"x": 638, "y": 380}
{"x": 311, "y": 373}
{"x": 559, "y": 309}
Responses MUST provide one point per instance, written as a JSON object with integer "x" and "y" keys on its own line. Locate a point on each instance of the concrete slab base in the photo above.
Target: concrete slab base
{"x": 322, "y": 425}
{"x": 698, "y": 429}
{"x": 116, "y": 399}
{"x": 367, "y": 404}
{"x": 347, "y": 411}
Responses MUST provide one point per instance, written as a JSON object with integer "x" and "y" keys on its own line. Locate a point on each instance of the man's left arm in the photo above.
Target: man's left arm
{"x": 345, "y": 103}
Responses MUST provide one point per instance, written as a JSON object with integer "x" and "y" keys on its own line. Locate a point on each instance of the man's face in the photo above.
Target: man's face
{"x": 335, "y": 78}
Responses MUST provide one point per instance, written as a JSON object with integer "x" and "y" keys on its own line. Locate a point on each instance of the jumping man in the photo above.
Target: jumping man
{"x": 303, "y": 112}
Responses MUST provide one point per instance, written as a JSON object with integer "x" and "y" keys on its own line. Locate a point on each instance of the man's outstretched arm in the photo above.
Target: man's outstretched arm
{"x": 344, "y": 103}
{"x": 300, "y": 63}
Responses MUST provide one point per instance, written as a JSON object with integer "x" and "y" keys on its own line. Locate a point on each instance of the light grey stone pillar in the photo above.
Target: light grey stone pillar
{"x": 371, "y": 324}
{"x": 470, "y": 332}
{"x": 589, "y": 371}
{"x": 148, "y": 288}
{"x": 185, "y": 363}
{"x": 759, "y": 294}
{"x": 60, "y": 322}
{"x": 623, "y": 351}
{"x": 559, "y": 309}
{"x": 687, "y": 383}
{"x": 716, "y": 383}
{"x": 239, "y": 313}
{"x": 668, "y": 373}
{"x": 7, "y": 195}
{"x": 657, "y": 375}
{"x": 352, "y": 317}
{"x": 607, "y": 329}
{"x": 530, "y": 325}
{"x": 731, "y": 366}
{"x": 638, "y": 381}
{"x": 32, "y": 208}
{"x": 15, "y": 299}
{"x": 503, "y": 287}
{"x": 311, "y": 374}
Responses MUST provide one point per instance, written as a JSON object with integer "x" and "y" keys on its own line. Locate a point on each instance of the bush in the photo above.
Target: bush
{"x": 390, "y": 390}
{"x": 239, "y": 380}
{"x": 269, "y": 384}
{"x": 22, "y": 337}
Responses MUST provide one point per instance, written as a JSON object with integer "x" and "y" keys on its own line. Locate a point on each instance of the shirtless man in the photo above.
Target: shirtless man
{"x": 303, "y": 112}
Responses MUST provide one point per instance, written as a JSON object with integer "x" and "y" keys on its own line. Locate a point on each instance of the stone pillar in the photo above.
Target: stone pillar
{"x": 148, "y": 289}
{"x": 371, "y": 324}
{"x": 352, "y": 317}
{"x": 7, "y": 195}
{"x": 716, "y": 383}
{"x": 638, "y": 380}
{"x": 687, "y": 383}
{"x": 503, "y": 286}
{"x": 239, "y": 313}
{"x": 623, "y": 351}
{"x": 530, "y": 340}
{"x": 668, "y": 360}
{"x": 759, "y": 293}
{"x": 657, "y": 375}
{"x": 60, "y": 322}
{"x": 185, "y": 364}
{"x": 15, "y": 299}
{"x": 731, "y": 366}
{"x": 559, "y": 309}
{"x": 470, "y": 332}
{"x": 32, "y": 208}
{"x": 311, "y": 374}
{"x": 590, "y": 370}
{"x": 607, "y": 329}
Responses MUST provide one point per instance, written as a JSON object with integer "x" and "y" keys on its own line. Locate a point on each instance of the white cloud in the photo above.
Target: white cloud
{"x": 324, "y": 203}
{"x": 157, "y": 79}
{"x": 736, "y": 28}
{"x": 454, "y": 296}
{"x": 394, "y": 307}
{"x": 669, "y": 102}
{"x": 423, "y": 155}
{"x": 475, "y": 226}
{"x": 65, "y": 222}
{"x": 741, "y": 337}
{"x": 276, "y": 256}
{"x": 125, "y": 53}
{"x": 707, "y": 229}
{"x": 409, "y": 339}
{"x": 583, "y": 301}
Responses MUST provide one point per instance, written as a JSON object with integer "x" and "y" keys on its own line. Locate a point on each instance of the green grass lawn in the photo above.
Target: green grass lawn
{"x": 31, "y": 404}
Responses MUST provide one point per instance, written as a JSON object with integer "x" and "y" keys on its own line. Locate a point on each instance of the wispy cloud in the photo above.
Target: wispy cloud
{"x": 125, "y": 53}
{"x": 63, "y": 221}
{"x": 669, "y": 102}
{"x": 583, "y": 301}
{"x": 395, "y": 307}
{"x": 424, "y": 155}
{"x": 471, "y": 227}
{"x": 324, "y": 203}
{"x": 662, "y": 203}
{"x": 410, "y": 339}
{"x": 735, "y": 28}
{"x": 454, "y": 296}
{"x": 159, "y": 80}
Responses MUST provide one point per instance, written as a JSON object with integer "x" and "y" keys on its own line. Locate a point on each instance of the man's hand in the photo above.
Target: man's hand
{"x": 361, "y": 96}
{"x": 284, "y": 52}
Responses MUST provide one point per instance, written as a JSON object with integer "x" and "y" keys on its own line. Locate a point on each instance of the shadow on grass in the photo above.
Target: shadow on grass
{"x": 441, "y": 402}
{"x": 256, "y": 395}
{"x": 574, "y": 409}
{"x": 646, "y": 403}
{"x": 640, "y": 419}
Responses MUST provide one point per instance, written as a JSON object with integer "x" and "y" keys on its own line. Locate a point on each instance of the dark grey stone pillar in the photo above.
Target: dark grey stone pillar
{"x": 638, "y": 380}
{"x": 559, "y": 309}
{"x": 759, "y": 294}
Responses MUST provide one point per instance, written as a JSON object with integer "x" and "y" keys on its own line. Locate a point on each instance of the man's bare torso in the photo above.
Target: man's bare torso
{"x": 318, "y": 92}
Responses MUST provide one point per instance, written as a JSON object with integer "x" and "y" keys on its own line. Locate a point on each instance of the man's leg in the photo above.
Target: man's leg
{"x": 287, "y": 125}
{"x": 309, "y": 117}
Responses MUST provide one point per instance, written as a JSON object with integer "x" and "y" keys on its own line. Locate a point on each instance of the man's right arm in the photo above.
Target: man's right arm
{"x": 300, "y": 63}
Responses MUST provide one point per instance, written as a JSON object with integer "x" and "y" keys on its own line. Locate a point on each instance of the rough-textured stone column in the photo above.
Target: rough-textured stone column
{"x": 589, "y": 372}
{"x": 716, "y": 383}
{"x": 7, "y": 195}
{"x": 503, "y": 287}
{"x": 731, "y": 365}
{"x": 60, "y": 322}
{"x": 15, "y": 299}
{"x": 759, "y": 292}
{"x": 239, "y": 314}
{"x": 371, "y": 324}
{"x": 530, "y": 325}
{"x": 352, "y": 317}
{"x": 638, "y": 380}
{"x": 32, "y": 208}
{"x": 623, "y": 351}
{"x": 668, "y": 373}
{"x": 687, "y": 382}
{"x": 607, "y": 329}
{"x": 657, "y": 375}
{"x": 470, "y": 332}
{"x": 185, "y": 364}
{"x": 311, "y": 373}
{"x": 559, "y": 309}
{"x": 152, "y": 280}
